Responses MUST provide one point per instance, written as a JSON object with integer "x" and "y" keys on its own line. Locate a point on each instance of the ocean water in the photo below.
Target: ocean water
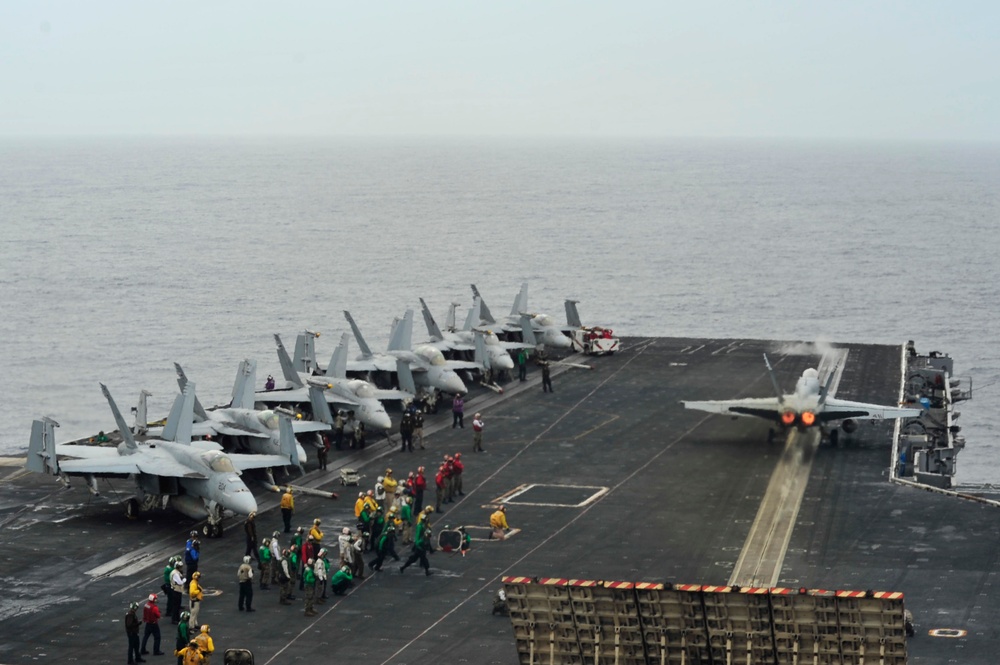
{"x": 120, "y": 256}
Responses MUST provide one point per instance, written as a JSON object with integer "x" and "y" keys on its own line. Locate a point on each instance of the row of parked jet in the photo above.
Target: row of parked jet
{"x": 182, "y": 465}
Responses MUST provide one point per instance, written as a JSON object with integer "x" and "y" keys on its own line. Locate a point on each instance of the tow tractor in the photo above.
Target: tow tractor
{"x": 595, "y": 340}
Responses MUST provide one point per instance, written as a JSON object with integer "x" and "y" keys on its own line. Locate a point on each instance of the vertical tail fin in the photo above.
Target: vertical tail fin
{"x": 287, "y": 368}
{"x": 481, "y": 356}
{"x": 405, "y": 377}
{"x": 42, "y": 447}
{"x": 432, "y": 327}
{"x": 450, "y": 320}
{"x": 141, "y": 425}
{"x": 320, "y": 407}
{"x": 245, "y": 384}
{"x": 825, "y": 392}
{"x": 774, "y": 381}
{"x": 402, "y": 335}
{"x": 129, "y": 440}
{"x": 484, "y": 311}
{"x": 199, "y": 411}
{"x": 305, "y": 352}
{"x": 366, "y": 352}
{"x": 337, "y": 369}
{"x": 178, "y": 427}
{"x": 286, "y": 440}
{"x": 520, "y": 302}
{"x": 527, "y": 333}
{"x": 572, "y": 316}
{"x": 475, "y": 314}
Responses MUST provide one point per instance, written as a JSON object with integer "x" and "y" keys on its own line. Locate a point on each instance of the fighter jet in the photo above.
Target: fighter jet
{"x": 427, "y": 364}
{"x": 240, "y": 418}
{"x": 332, "y": 387}
{"x": 544, "y": 326}
{"x": 465, "y": 339}
{"x": 194, "y": 478}
{"x": 811, "y": 405}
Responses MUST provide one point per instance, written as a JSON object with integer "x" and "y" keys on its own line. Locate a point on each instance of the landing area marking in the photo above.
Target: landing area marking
{"x": 553, "y": 496}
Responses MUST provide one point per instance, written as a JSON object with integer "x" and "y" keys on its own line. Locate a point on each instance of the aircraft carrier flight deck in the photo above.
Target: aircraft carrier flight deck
{"x": 608, "y": 478}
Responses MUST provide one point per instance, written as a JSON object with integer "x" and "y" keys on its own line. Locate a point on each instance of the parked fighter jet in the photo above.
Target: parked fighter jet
{"x": 332, "y": 387}
{"x": 465, "y": 339}
{"x": 811, "y": 405}
{"x": 427, "y": 364}
{"x": 240, "y": 418}
{"x": 194, "y": 478}
{"x": 544, "y": 326}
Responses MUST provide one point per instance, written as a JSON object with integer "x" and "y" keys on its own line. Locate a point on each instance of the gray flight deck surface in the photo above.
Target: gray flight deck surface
{"x": 683, "y": 489}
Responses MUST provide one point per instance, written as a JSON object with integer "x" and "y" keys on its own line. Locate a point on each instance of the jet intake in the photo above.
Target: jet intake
{"x": 849, "y": 425}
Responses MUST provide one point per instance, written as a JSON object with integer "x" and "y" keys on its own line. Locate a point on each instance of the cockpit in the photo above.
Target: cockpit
{"x": 431, "y": 355}
{"x": 268, "y": 419}
{"x": 544, "y": 320}
{"x": 362, "y": 389}
{"x": 218, "y": 461}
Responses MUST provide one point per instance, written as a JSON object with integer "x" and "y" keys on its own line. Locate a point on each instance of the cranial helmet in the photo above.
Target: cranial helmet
{"x": 246, "y": 559}
{"x": 178, "y": 564}
{"x": 133, "y": 606}
{"x": 346, "y": 531}
{"x": 195, "y": 575}
{"x": 311, "y": 561}
{"x": 152, "y": 597}
{"x": 316, "y": 521}
{"x": 345, "y": 569}
{"x": 185, "y": 615}
{"x": 275, "y": 534}
{"x": 204, "y": 627}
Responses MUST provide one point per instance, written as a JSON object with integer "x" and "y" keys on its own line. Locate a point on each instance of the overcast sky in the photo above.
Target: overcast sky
{"x": 881, "y": 69}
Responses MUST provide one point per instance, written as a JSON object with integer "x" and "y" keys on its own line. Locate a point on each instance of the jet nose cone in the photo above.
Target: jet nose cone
{"x": 301, "y": 452}
{"x": 455, "y": 385}
{"x": 558, "y": 340}
{"x": 241, "y": 502}
{"x": 381, "y": 420}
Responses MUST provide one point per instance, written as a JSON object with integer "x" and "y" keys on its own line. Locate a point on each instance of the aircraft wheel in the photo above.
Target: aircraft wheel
{"x": 834, "y": 437}
{"x": 770, "y": 435}
{"x": 132, "y": 509}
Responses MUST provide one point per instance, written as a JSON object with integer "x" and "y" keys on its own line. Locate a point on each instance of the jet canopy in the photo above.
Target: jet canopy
{"x": 268, "y": 419}
{"x": 431, "y": 355}
{"x": 362, "y": 389}
{"x": 544, "y": 320}
{"x": 218, "y": 461}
